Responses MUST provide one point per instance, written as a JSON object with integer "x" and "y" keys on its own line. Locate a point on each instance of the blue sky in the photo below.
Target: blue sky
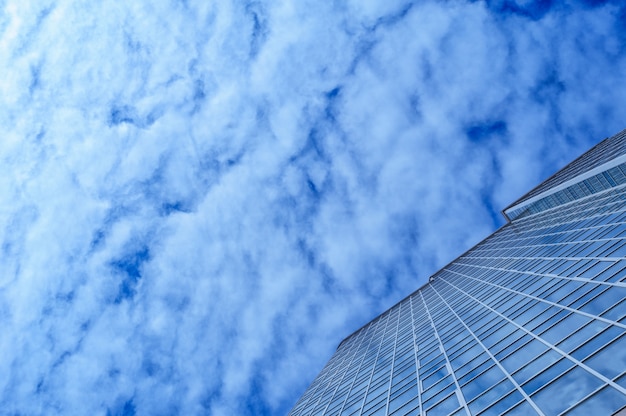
{"x": 200, "y": 200}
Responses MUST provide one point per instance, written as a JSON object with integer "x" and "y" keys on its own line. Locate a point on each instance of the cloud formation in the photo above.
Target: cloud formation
{"x": 199, "y": 201}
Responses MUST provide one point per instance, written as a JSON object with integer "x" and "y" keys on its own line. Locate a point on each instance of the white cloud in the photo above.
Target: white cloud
{"x": 200, "y": 201}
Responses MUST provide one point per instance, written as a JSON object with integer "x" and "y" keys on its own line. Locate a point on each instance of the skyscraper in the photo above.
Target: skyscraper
{"x": 532, "y": 320}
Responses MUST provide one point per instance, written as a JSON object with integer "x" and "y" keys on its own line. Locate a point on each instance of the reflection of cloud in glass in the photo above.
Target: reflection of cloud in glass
{"x": 603, "y": 402}
{"x": 610, "y": 361}
{"x": 523, "y": 355}
{"x": 565, "y": 390}
{"x": 482, "y": 382}
{"x": 581, "y": 335}
{"x": 564, "y": 328}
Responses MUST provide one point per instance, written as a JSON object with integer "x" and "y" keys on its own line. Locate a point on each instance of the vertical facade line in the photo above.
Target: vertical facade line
{"x": 493, "y": 358}
{"x": 459, "y": 393}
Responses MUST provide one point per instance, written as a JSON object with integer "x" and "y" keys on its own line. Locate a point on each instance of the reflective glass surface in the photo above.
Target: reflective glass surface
{"x": 530, "y": 321}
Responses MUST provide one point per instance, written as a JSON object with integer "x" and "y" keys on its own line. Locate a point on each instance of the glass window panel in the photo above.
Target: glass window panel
{"x": 411, "y": 408}
{"x": 535, "y": 366}
{"x": 505, "y": 330}
{"x": 444, "y": 407}
{"x": 581, "y": 335}
{"x": 522, "y": 409}
{"x": 594, "y": 270}
{"x": 425, "y": 360}
{"x": 606, "y": 300}
{"x": 604, "y": 402}
{"x": 483, "y": 382}
{"x": 615, "y": 273}
{"x": 442, "y": 385}
{"x": 512, "y": 343}
{"x": 586, "y": 297}
{"x": 376, "y": 392}
{"x": 436, "y": 366}
{"x": 545, "y": 322}
{"x": 495, "y": 393}
{"x": 596, "y": 342}
{"x": 610, "y": 360}
{"x": 523, "y": 355}
{"x": 547, "y": 375}
{"x": 376, "y": 403}
{"x": 621, "y": 381}
{"x": 566, "y": 391}
{"x": 503, "y": 404}
{"x": 409, "y": 370}
{"x": 403, "y": 399}
{"x": 620, "y": 251}
{"x": 558, "y": 292}
{"x": 474, "y": 372}
{"x": 471, "y": 365}
{"x": 533, "y": 312}
{"x": 461, "y": 347}
{"x": 352, "y": 406}
{"x": 402, "y": 387}
{"x": 564, "y": 328}
{"x": 379, "y": 410}
{"x": 617, "y": 312}
{"x": 467, "y": 356}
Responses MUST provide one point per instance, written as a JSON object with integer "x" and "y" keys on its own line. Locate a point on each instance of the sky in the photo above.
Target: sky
{"x": 199, "y": 200}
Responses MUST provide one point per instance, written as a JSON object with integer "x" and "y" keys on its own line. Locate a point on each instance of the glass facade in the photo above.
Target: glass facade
{"x": 530, "y": 321}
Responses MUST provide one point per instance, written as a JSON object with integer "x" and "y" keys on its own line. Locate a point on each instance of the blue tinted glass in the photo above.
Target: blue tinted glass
{"x": 490, "y": 396}
{"x": 505, "y": 348}
{"x": 566, "y": 391}
{"x": 606, "y": 300}
{"x": 522, "y": 409}
{"x": 475, "y": 371}
{"x": 472, "y": 365}
{"x": 547, "y": 375}
{"x": 581, "y": 335}
{"x": 594, "y": 291}
{"x": 523, "y": 355}
{"x": 546, "y": 319}
{"x": 482, "y": 382}
{"x": 564, "y": 328}
{"x": 610, "y": 360}
{"x": 444, "y": 407}
{"x": 434, "y": 378}
{"x": 503, "y": 404}
{"x": 535, "y": 366}
{"x": 597, "y": 342}
{"x": 439, "y": 396}
{"x": 403, "y": 399}
{"x": 604, "y": 402}
{"x": 617, "y": 312}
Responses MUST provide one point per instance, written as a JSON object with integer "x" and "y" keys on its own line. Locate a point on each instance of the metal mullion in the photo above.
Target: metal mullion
{"x": 556, "y": 276}
{"x": 564, "y": 412}
{"x": 567, "y": 308}
{"x": 506, "y": 373}
{"x": 314, "y": 393}
{"x": 355, "y": 374}
{"x": 351, "y": 352}
{"x": 586, "y": 200}
{"x": 551, "y": 346}
{"x": 393, "y": 361}
{"x": 382, "y": 338}
{"x": 564, "y": 243}
{"x": 459, "y": 393}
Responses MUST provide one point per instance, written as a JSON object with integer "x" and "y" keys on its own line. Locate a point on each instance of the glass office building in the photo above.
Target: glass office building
{"x": 532, "y": 320}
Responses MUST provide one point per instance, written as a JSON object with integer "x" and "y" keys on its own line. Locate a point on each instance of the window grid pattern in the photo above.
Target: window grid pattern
{"x": 530, "y": 321}
{"x": 595, "y": 184}
{"x": 608, "y": 149}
